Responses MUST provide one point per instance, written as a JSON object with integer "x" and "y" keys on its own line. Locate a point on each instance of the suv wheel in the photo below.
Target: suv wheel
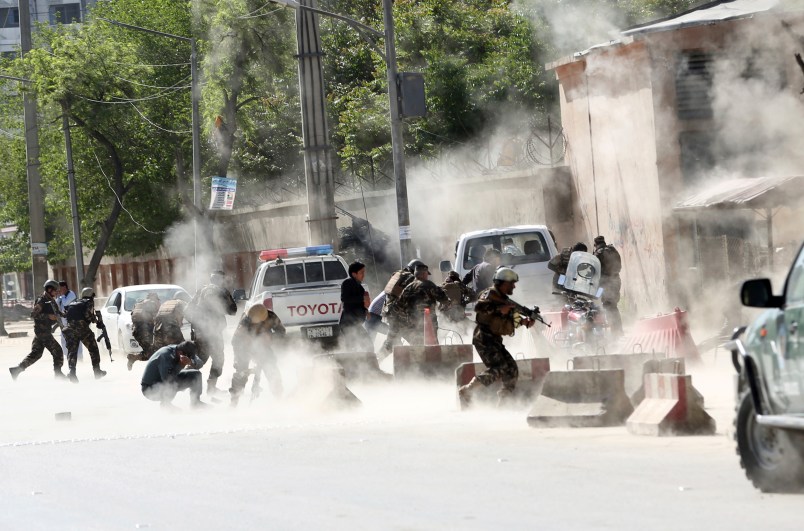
{"x": 769, "y": 457}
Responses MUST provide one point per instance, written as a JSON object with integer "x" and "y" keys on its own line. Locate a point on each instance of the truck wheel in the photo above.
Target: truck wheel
{"x": 768, "y": 455}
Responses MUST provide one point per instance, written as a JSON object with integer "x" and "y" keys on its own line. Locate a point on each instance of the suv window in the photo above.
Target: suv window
{"x": 314, "y": 271}
{"x": 795, "y": 285}
{"x": 295, "y": 273}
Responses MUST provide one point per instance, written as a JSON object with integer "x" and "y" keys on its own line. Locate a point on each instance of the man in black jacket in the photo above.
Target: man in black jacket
{"x": 355, "y": 301}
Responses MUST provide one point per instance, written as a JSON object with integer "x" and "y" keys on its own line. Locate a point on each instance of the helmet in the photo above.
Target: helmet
{"x": 413, "y": 263}
{"x": 506, "y": 274}
{"x": 257, "y": 313}
{"x": 51, "y": 284}
{"x": 87, "y": 293}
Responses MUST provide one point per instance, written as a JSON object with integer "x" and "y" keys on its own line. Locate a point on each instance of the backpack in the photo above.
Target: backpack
{"x": 397, "y": 283}
{"x": 76, "y": 310}
{"x": 454, "y": 292}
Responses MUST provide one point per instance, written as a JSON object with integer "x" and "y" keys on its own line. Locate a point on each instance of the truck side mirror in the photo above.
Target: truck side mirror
{"x": 445, "y": 266}
{"x": 239, "y": 295}
{"x": 758, "y": 293}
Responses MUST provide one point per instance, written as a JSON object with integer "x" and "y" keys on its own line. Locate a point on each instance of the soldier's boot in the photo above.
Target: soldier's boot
{"x": 72, "y": 376}
{"x": 465, "y": 392}
{"x": 98, "y": 372}
{"x": 504, "y": 396}
{"x": 15, "y": 371}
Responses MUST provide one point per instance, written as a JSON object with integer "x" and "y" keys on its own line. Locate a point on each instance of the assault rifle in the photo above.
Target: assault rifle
{"x": 521, "y": 312}
{"x": 59, "y": 315}
{"x": 103, "y": 335}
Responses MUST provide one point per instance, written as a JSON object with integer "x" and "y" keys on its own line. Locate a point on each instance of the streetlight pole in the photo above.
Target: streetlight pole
{"x": 79, "y": 248}
{"x": 195, "y": 97}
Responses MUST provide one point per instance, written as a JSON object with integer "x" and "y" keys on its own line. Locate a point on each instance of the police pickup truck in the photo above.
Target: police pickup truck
{"x": 302, "y": 285}
{"x": 525, "y": 248}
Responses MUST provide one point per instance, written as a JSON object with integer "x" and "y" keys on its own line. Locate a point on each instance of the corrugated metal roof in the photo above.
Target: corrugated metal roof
{"x": 758, "y": 192}
{"x": 707, "y": 15}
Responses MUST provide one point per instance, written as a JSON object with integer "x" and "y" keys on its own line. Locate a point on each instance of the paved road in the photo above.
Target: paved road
{"x": 407, "y": 459}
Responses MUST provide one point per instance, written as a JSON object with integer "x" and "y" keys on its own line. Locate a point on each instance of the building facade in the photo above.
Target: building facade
{"x": 43, "y": 12}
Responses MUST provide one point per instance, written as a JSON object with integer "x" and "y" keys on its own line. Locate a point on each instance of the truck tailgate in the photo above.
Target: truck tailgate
{"x": 299, "y": 307}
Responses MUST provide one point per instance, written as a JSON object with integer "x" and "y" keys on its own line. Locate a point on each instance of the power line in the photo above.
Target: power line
{"x": 158, "y": 126}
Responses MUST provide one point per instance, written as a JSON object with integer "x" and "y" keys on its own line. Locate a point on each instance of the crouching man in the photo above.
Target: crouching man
{"x": 172, "y": 369}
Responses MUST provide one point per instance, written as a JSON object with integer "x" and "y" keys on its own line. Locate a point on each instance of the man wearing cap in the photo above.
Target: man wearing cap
{"x": 417, "y": 296}
{"x": 610, "y": 266}
{"x": 207, "y": 312}
{"x": 496, "y": 316}
{"x": 172, "y": 369}
{"x": 257, "y": 332}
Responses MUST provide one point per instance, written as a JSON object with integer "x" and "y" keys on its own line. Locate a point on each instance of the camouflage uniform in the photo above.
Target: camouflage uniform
{"x": 487, "y": 339}
{"x": 77, "y": 331}
{"x": 142, "y": 319}
{"x": 44, "y": 318}
{"x": 253, "y": 341}
{"x": 167, "y": 324}
{"x": 417, "y": 296}
{"x": 210, "y": 306}
{"x": 459, "y": 295}
{"x": 395, "y": 327}
{"x": 558, "y": 265}
{"x": 610, "y": 265}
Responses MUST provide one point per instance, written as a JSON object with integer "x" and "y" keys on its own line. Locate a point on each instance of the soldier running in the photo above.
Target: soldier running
{"x": 393, "y": 289}
{"x": 253, "y": 339}
{"x": 459, "y": 295}
{"x": 210, "y": 306}
{"x": 44, "y": 317}
{"x": 142, "y": 320}
{"x": 80, "y": 313}
{"x": 167, "y": 324}
{"x": 495, "y": 318}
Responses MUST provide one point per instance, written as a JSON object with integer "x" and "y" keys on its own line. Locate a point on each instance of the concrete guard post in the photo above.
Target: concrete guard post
{"x": 437, "y": 361}
{"x": 668, "y": 333}
{"x": 532, "y": 373}
{"x": 670, "y": 408}
{"x": 581, "y": 398}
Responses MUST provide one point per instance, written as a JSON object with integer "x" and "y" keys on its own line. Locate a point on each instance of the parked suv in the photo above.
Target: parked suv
{"x": 769, "y": 357}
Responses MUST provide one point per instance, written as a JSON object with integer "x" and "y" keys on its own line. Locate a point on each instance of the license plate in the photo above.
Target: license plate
{"x": 319, "y": 331}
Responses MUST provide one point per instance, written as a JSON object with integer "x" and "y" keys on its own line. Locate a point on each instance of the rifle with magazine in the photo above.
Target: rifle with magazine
{"x": 103, "y": 335}
{"x": 59, "y": 315}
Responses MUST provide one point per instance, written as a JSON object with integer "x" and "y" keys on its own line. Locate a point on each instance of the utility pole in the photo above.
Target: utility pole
{"x": 318, "y": 170}
{"x": 79, "y": 248}
{"x": 397, "y": 139}
{"x": 36, "y": 201}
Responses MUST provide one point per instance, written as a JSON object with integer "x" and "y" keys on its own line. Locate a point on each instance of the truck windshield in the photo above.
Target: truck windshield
{"x": 516, "y": 248}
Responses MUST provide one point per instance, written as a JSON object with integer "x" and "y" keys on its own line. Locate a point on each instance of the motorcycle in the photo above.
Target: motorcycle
{"x": 585, "y": 319}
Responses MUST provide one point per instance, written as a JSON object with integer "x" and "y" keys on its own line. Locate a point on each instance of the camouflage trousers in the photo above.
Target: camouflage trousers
{"x": 265, "y": 364}
{"x": 500, "y": 365}
{"x": 40, "y": 343}
{"x": 145, "y": 337}
{"x": 210, "y": 346}
{"x": 75, "y": 336}
{"x": 164, "y": 335}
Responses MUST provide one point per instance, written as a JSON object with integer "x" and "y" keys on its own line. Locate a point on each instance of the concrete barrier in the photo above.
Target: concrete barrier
{"x": 632, "y": 364}
{"x": 664, "y": 366}
{"x": 429, "y": 361}
{"x": 667, "y": 333}
{"x": 532, "y": 373}
{"x": 669, "y": 408}
{"x": 582, "y": 398}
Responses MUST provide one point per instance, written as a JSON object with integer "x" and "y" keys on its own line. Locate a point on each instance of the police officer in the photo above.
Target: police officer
{"x": 44, "y": 317}
{"x": 610, "y": 266}
{"x": 393, "y": 289}
{"x": 80, "y": 313}
{"x": 167, "y": 324}
{"x": 142, "y": 321}
{"x": 256, "y": 333}
{"x": 209, "y": 309}
{"x": 496, "y": 317}
{"x": 459, "y": 295}
{"x": 417, "y": 296}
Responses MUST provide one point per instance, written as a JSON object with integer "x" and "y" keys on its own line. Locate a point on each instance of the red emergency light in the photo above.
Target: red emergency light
{"x": 314, "y": 250}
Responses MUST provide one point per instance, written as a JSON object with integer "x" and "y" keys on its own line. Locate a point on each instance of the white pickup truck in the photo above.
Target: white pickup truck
{"x": 302, "y": 286}
{"x": 525, "y": 248}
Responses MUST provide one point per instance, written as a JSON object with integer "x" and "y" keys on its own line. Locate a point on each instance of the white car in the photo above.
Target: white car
{"x": 116, "y": 312}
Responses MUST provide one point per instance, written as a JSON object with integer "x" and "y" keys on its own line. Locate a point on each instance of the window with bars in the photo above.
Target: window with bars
{"x": 693, "y": 85}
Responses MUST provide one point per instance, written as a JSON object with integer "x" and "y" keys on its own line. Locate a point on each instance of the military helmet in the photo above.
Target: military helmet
{"x": 51, "y": 284}
{"x": 87, "y": 293}
{"x": 413, "y": 264}
{"x": 257, "y": 313}
{"x": 506, "y": 274}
